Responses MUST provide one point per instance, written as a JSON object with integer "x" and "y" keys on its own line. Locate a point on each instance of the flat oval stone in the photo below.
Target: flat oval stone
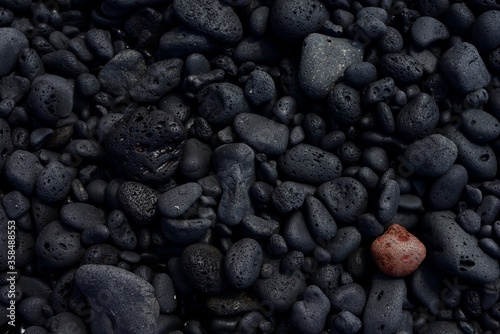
{"x": 455, "y": 251}
{"x": 431, "y": 156}
{"x": 120, "y": 231}
{"x": 175, "y": 202}
{"x": 323, "y": 61}
{"x": 346, "y": 198}
{"x": 480, "y": 126}
{"x": 307, "y": 163}
{"x": 203, "y": 266}
{"x": 319, "y": 220}
{"x": 397, "y": 252}
{"x": 350, "y": 297}
{"x": 80, "y": 216}
{"x": 211, "y": 17}
{"x": 259, "y": 228}
{"x": 243, "y": 262}
{"x": 58, "y": 246}
{"x": 484, "y": 33}
{"x": 182, "y": 41}
{"x": 195, "y": 162}
{"x": 129, "y": 300}
{"x": 261, "y": 133}
{"x": 419, "y": 117}
{"x": 388, "y": 202}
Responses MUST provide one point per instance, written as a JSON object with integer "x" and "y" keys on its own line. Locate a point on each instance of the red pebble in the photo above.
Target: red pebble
{"x": 397, "y": 252}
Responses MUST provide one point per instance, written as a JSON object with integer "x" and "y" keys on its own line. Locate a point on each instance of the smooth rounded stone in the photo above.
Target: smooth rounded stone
{"x": 294, "y": 20}
{"x": 100, "y": 44}
{"x": 120, "y": 231}
{"x": 122, "y": 73}
{"x": 101, "y": 254}
{"x": 480, "y": 126}
{"x": 80, "y": 216}
{"x": 350, "y": 297}
{"x": 297, "y": 135}
{"x": 425, "y": 58}
{"x": 479, "y": 159}
{"x": 320, "y": 222}
{"x": 258, "y": 22}
{"x": 344, "y": 104}
{"x": 87, "y": 84}
{"x": 442, "y": 327}
{"x": 96, "y": 190}
{"x": 54, "y": 182}
{"x": 203, "y": 266}
{"x": 196, "y": 64}
{"x": 259, "y": 88}
{"x": 277, "y": 246}
{"x": 488, "y": 209}
{"x": 210, "y": 17}
{"x": 464, "y": 68}
{"x": 433, "y": 8}
{"x": 35, "y": 310}
{"x": 346, "y": 198}
{"x": 64, "y": 63}
{"x": 459, "y": 18}
{"x": 358, "y": 75}
{"x": 477, "y": 98}
{"x": 378, "y": 91}
{"x": 490, "y": 247}
{"x": 182, "y": 41}
{"x": 289, "y": 195}
{"x": 296, "y": 234}
{"x": 307, "y": 163}
{"x": 455, "y": 251}
{"x": 146, "y": 145}
{"x": 292, "y": 261}
{"x": 432, "y": 156}
{"x": 160, "y": 78}
{"x": 243, "y": 262}
{"x": 60, "y": 323}
{"x": 184, "y": 231}
{"x": 58, "y": 247}
{"x": 280, "y": 291}
{"x": 119, "y": 297}
{"x": 384, "y": 307}
{"x": 397, "y": 252}
{"x": 50, "y": 99}
{"x": 80, "y": 49}
{"x": 418, "y": 118}
{"x": 376, "y": 159}
{"x": 96, "y": 234}
{"x": 138, "y": 201}
{"x": 309, "y": 315}
{"x": 176, "y": 201}
{"x": 234, "y": 165}
{"x": 261, "y": 50}
{"x": 259, "y": 228}
{"x": 262, "y": 134}
{"x": 323, "y": 62}
{"x": 388, "y": 202}
{"x": 403, "y": 68}
{"x": 15, "y": 204}
{"x": 219, "y": 103}
{"x": 164, "y": 293}
{"x": 346, "y": 322}
{"x": 345, "y": 241}
{"x": 446, "y": 191}
{"x": 369, "y": 226}
{"x": 427, "y": 30}
{"x": 469, "y": 220}
{"x": 195, "y": 161}
{"x": 485, "y": 31}
{"x": 12, "y": 41}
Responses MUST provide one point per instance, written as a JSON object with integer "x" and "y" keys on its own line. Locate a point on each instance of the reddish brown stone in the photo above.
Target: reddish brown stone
{"x": 397, "y": 252}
